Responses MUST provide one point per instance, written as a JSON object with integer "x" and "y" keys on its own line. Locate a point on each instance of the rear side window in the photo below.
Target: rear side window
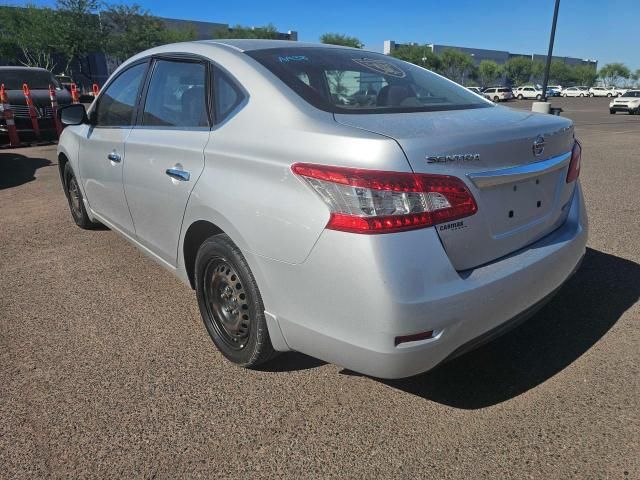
{"x": 176, "y": 96}
{"x": 117, "y": 103}
{"x": 504, "y": 90}
{"x": 226, "y": 94}
{"x": 343, "y": 80}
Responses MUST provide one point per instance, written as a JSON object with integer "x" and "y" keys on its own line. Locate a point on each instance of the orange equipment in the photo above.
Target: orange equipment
{"x": 14, "y": 139}
{"x": 33, "y": 114}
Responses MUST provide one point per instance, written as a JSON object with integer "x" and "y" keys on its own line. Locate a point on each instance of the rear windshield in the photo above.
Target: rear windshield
{"x": 349, "y": 81}
{"x": 36, "y": 79}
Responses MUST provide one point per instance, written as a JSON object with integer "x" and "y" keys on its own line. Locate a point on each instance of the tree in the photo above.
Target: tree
{"x": 79, "y": 28}
{"x": 611, "y": 73}
{"x": 341, "y": 39}
{"x": 420, "y": 55}
{"x": 269, "y": 32}
{"x": 537, "y": 71}
{"x": 455, "y": 64}
{"x": 518, "y": 69}
{"x": 585, "y": 75}
{"x": 636, "y": 77}
{"x": 29, "y": 35}
{"x": 560, "y": 72}
{"x": 488, "y": 71}
{"x": 129, "y": 30}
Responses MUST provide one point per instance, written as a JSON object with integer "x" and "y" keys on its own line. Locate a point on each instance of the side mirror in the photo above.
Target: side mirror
{"x": 74, "y": 114}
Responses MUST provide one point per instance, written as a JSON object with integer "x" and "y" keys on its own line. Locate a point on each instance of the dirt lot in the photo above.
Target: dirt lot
{"x": 107, "y": 370}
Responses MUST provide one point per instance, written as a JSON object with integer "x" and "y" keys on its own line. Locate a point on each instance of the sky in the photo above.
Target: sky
{"x": 605, "y": 30}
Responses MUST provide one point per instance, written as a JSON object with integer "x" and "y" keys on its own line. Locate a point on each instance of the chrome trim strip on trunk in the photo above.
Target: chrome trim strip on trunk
{"x": 494, "y": 178}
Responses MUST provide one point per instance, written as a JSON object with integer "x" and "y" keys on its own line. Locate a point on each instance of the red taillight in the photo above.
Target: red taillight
{"x": 576, "y": 159}
{"x": 371, "y": 201}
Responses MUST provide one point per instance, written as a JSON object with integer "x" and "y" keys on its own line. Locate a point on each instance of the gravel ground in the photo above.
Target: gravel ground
{"x": 107, "y": 370}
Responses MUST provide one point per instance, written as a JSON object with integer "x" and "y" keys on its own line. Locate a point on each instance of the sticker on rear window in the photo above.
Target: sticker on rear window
{"x": 381, "y": 66}
{"x": 292, "y": 58}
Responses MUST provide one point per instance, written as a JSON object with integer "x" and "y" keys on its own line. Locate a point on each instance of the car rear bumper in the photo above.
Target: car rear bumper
{"x": 355, "y": 294}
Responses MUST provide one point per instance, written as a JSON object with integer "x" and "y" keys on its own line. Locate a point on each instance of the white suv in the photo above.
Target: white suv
{"x": 498, "y": 94}
{"x": 603, "y": 92}
{"x": 528, "y": 92}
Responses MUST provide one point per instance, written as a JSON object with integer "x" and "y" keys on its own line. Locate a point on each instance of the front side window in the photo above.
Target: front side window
{"x": 349, "y": 81}
{"x": 176, "y": 96}
{"x": 117, "y": 103}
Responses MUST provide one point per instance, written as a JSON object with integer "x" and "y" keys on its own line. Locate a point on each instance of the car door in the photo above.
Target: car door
{"x": 102, "y": 151}
{"x": 165, "y": 151}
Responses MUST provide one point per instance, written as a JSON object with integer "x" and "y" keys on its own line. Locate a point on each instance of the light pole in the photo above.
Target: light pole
{"x": 550, "y": 54}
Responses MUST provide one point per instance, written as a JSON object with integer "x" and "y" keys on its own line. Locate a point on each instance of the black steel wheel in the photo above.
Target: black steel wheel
{"x": 230, "y": 303}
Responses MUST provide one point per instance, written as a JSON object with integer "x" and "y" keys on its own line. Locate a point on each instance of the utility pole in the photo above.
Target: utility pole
{"x": 550, "y": 54}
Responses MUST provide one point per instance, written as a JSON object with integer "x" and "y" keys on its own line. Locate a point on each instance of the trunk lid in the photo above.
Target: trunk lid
{"x": 521, "y": 196}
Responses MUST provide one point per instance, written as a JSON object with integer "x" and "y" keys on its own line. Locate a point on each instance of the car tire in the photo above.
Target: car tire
{"x": 496, "y": 99}
{"x": 564, "y": 95}
{"x": 538, "y": 97}
{"x": 612, "y": 112}
{"x": 74, "y": 198}
{"x": 591, "y": 95}
{"x": 520, "y": 97}
{"x": 230, "y": 303}
{"x": 608, "y": 95}
{"x": 581, "y": 95}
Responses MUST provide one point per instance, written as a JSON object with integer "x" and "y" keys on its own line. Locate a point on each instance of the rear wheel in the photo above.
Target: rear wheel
{"x": 564, "y": 95}
{"x": 230, "y": 303}
{"x": 609, "y": 95}
{"x": 74, "y": 198}
{"x": 612, "y": 112}
{"x": 582, "y": 94}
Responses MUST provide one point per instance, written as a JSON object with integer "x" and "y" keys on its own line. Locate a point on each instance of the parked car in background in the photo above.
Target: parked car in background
{"x": 498, "y": 94}
{"x": 38, "y": 80}
{"x": 528, "y": 91}
{"x": 475, "y": 90}
{"x": 575, "y": 92}
{"x": 554, "y": 90}
{"x": 629, "y": 102}
{"x": 368, "y": 236}
{"x": 603, "y": 92}
{"x": 65, "y": 81}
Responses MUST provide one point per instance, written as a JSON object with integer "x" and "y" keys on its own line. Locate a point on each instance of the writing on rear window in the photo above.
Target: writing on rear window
{"x": 292, "y": 58}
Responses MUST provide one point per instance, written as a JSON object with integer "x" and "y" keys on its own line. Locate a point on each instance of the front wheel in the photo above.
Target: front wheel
{"x": 538, "y": 97}
{"x": 608, "y": 95}
{"x": 496, "y": 99}
{"x": 564, "y": 95}
{"x": 230, "y": 303}
{"x": 612, "y": 112}
{"x": 520, "y": 97}
{"x": 582, "y": 95}
{"x": 74, "y": 198}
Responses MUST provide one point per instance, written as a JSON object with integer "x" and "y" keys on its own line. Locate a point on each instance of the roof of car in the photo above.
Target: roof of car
{"x": 9, "y": 67}
{"x": 246, "y": 45}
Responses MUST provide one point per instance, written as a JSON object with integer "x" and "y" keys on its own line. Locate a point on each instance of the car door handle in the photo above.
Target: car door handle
{"x": 178, "y": 174}
{"x": 114, "y": 157}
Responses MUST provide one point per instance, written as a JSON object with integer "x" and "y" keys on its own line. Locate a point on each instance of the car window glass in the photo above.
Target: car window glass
{"x": 176, "y": 96}
{"x": 117, "y": 103}
{"x": 227, "y": 95}
{"x": 346, "y": 81}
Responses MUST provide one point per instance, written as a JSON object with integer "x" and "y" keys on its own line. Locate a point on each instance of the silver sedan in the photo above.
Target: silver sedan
{"x": 329, "y": 200}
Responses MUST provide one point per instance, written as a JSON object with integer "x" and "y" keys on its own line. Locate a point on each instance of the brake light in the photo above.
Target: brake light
{"x": 372, "y": 201}
{"x": 574, "y": 165}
